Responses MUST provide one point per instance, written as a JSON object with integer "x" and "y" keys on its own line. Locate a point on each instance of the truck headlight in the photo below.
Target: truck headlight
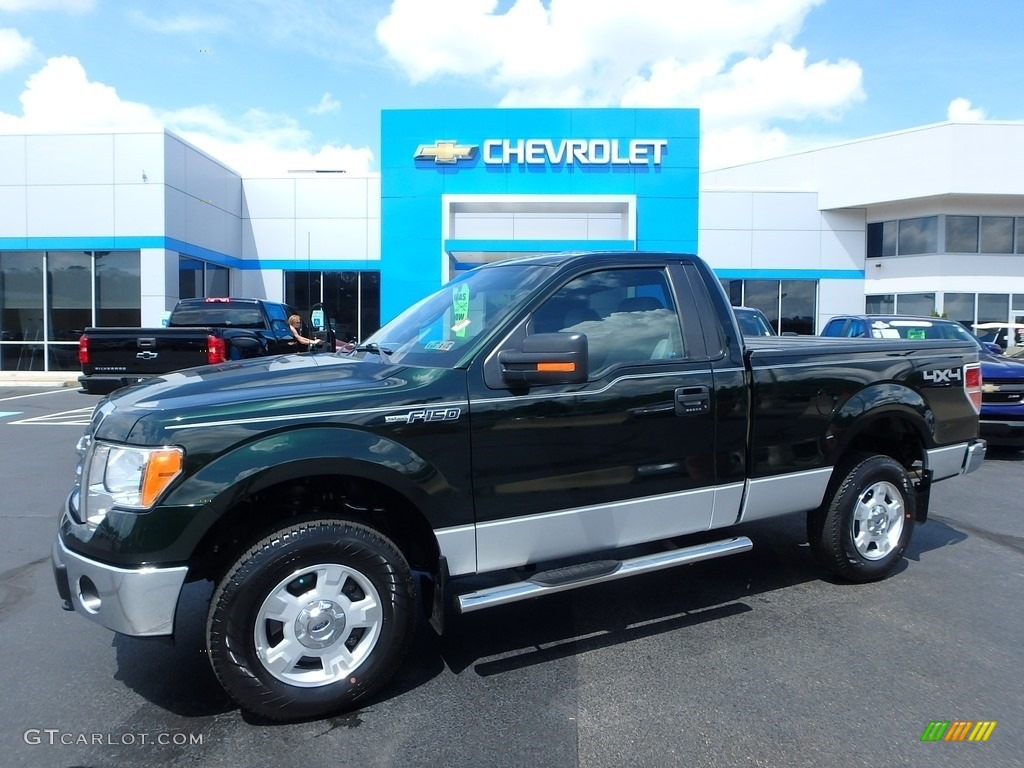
{"x": 127, "y": 477}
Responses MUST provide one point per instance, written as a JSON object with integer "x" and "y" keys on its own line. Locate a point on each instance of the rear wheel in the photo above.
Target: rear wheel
{"x": 861, "y": 532}
{"x": 312, "y": 619}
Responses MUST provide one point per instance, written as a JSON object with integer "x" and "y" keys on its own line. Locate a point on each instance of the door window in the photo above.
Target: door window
{"x": 628, "y": 316}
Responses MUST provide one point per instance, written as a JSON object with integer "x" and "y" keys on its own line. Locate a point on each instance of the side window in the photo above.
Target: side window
{"x": 276, "y": 312}
{"x": 856, "y": 329}
{"x": 628, "y": 316}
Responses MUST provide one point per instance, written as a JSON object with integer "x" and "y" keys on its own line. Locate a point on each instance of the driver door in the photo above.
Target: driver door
{"x": 624, "y": 457}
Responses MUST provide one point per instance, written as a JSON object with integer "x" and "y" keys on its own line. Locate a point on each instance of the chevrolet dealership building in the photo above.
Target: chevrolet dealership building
{"x": 111, "y": 229}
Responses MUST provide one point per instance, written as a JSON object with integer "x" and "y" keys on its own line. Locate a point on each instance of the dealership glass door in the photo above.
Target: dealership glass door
{"x": 351, "y": 299}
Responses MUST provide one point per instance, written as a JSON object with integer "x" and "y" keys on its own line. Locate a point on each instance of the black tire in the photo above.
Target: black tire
{"x": 862, "y": 530}
{"x": 345, "y": 588}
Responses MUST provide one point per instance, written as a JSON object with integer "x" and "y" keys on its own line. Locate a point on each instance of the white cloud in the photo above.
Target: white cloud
{"x": 961, "y": 111}
{"x": 731, "y": 58}
{"x": 74, "y": 6}
{"x": 14, "y": 49}
{"x": 327, "y": 104}
{"x": 183, "y": 23}
{"x": 60, "y": 97}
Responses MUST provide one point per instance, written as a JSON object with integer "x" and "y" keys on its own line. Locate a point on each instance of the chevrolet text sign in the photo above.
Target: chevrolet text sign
{"x": 582, "y": 151}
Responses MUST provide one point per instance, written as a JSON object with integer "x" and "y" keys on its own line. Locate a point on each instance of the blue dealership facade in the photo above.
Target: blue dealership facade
{"x": 460, "y": 187}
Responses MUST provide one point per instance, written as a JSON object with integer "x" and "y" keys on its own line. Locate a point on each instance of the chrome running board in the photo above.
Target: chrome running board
{"x": 573, "y": 576}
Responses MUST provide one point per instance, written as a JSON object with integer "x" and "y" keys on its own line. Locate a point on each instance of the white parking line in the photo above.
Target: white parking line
{"x": 33, "y": 394}
{"x": 77, "y": 417}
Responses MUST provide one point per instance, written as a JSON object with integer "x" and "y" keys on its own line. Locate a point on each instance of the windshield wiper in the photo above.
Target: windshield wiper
{"x": 372, "y": 346}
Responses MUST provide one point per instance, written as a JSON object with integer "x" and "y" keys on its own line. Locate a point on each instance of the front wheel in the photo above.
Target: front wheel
{"x": 862, "y": 531}
{"x": 311, "y": 619}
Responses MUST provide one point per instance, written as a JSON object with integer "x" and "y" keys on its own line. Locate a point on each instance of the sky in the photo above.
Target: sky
{"x": 268, "y": 86}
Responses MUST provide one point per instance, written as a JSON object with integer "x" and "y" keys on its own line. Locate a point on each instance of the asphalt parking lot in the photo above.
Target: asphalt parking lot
{"x": 753, "y": 660}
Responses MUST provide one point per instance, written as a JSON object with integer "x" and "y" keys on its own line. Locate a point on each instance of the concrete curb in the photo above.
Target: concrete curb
{"x": 38, "y": 379}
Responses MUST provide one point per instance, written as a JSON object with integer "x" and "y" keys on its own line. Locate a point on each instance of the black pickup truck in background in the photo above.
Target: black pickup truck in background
{"x": 537, "y": 425}
{"x": 198, "y": 332}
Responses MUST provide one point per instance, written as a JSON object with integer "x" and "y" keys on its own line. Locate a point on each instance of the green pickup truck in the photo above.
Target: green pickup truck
{"x": 535, "y": 426}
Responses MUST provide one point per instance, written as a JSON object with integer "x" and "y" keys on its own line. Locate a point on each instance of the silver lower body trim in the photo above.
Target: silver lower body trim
{"x": 782, "y": 494}
{"x": 139, "y": 602}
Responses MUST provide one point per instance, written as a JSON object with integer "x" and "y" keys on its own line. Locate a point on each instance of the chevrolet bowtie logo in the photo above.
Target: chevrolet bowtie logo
{"x": 445, "y": 152}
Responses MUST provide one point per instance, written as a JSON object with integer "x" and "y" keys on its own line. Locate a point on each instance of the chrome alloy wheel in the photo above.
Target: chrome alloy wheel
{"x": 318, "y": 625}
{"x": 878, "y": 520}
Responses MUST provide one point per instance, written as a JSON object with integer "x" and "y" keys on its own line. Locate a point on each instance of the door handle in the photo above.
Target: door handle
{"x": 692, "y": 401}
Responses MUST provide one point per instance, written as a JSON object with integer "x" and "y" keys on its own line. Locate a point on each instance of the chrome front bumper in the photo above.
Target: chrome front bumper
{"x": 139, "y": 602}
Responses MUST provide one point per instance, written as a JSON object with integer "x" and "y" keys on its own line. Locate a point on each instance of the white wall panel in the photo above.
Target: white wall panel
{"x": 174, "y": 162}
{"x": 549, "y": 227}
{"x": 12, "y": 160}
{"x": 842, "y": 250}
{"x": 785, "y": 211}
{"x": 268, "y": 198}
{"x": 726, "y": 249}
{"x": 273, "y": 239}
{"x": 13, "y": 211}
{"x": 82, "y": 210}
{"x": 330, "y": 196}
{"x": 175, "y": 213}
{"x": 786, "y": 250}
{"x": 205, "y": 224}
{"x": 373, "y": 197}
{"x": 205, "y": 179}
{"x": 725, "y": 210}
{"x": 606, "y": 227}
{"x": 136, "y": 154}
{"x": 483, "y": 226}
{"x": 260, "y": 284}
{"x": 839, "y": 297}
{"x": 852, "y": 220}
{"x": 70, "y": 159}
{"x": 138, "y": 209}
{"x": 329, "y": 239}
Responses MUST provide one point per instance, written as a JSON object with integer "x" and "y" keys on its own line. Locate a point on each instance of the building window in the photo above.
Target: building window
{"x": 880, "y": 304}
{"x": 881, "y": 239}
{"x": 48, "y": 298}
{"x": 959, "y": 307}
{"x": 993, "y": 307}
{"x": 351, "y": 300}
{"x": 118, "y": 288}
{"x": 1020, "y": 235}
{"x": 996, "y": 234}
{"x": 961, "y": 234}
{"x": 198, "y": 279}
{"x": 919, "y": 235}
{"x": 790, "y": 305}
{"x": 915, "y": 303}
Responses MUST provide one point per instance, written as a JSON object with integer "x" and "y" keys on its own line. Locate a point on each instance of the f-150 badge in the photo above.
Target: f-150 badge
{"x": 424, "y": 415}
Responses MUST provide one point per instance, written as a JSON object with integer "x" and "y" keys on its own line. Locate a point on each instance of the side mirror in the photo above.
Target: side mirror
{"x": 992, "y": 347}
{"x": 546, "y": 358}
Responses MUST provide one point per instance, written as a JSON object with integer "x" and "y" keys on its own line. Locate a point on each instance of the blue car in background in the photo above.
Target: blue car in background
{"x": 1002, "y": 400}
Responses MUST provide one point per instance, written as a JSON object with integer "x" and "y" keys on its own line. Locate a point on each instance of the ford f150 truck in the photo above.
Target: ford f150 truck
{"x": 535, "y": 426}
{"x": 198, "y": 332}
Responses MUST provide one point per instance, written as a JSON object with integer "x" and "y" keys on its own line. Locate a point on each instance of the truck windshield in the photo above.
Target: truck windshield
{"x": 437, "y": 331}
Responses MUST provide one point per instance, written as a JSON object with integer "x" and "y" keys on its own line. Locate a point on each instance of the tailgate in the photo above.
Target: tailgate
{"x": 147, "y": 351}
